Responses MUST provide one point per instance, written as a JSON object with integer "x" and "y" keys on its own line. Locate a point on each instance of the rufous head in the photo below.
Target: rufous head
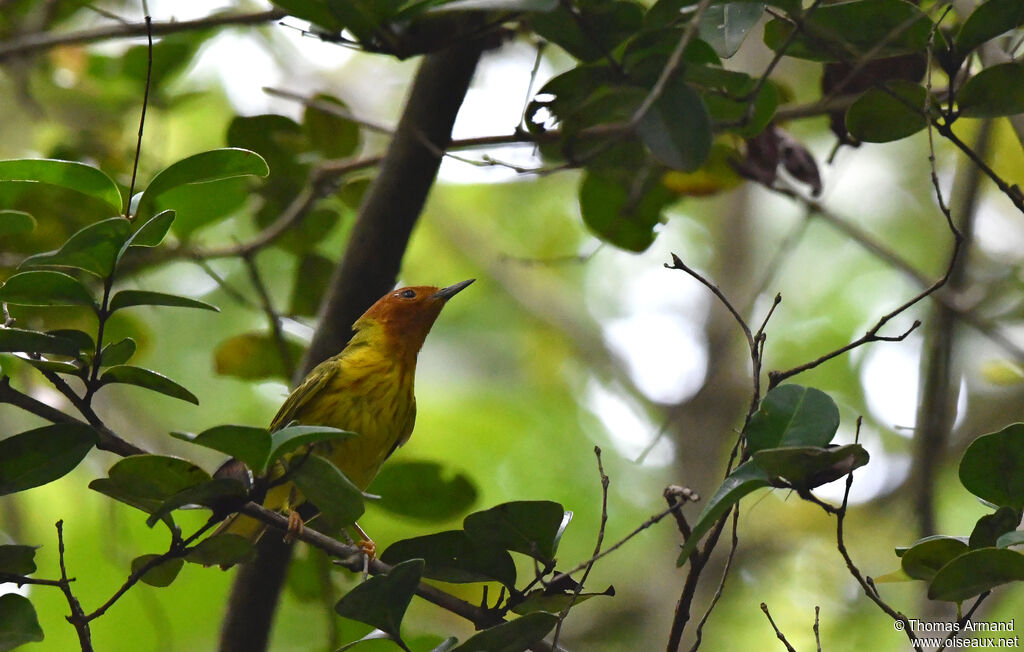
{"x": 405, "y": 315}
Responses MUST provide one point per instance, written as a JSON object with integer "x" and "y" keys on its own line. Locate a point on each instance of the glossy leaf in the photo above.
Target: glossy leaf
{"x": 290, "y": 438}
{"x": 249, "y": 444}
{"x": 879, "y": 117}
{"x": 994, "y": 92}
{"x": 807, "y": 467}
{"x": 988, "y": 20}
{"x": 990, "y": 527}
{"x": 16, "y": 222}
{"x": 161, "y": 575}
{"x": 532, "y": 527}
{"x": 556, "y": 601}
{"x": 607, "y": 24}
{"x": 745, "y": 478}
{"x": 677, "y": 128}
{"x": 81, "y": 339}
{"x": 381, "y": 601}
{"x": 18, "y": 622}
{"x": 117, "y": 353}
{"x": 42, "y": 455}
{"x": 514, "y": 636}
{"x": 975, "y": 572}
{"x": 792, "y": 415}
{"x": 18, "y": 559}
{"x": 45, "y": 288}
{"x": 17, "y": 339}
{"x": 204, "y": 167}
{"x": 1014, "y": 538}
{"x": 992, "y": 467}
{"x": 67, "y": 174}
{"x": 148, "y": 379}
{"x": 315, "y": 12}
{"x": 338, "y": 500}
{"x": 152, "y": 233}
{"x": 922, "y": 560}
{"x": 614, "y": 209}
{"x": 725, "y": 26}
{"x": 253, "y": 356}
{"x": 216, "y": 494}
{"x": 127, "y": 298}
{"x": 94, "y": 248}
{"x": 423, "y": 490}
{"x": 222, "y": 550}
{"x": 496, "y": 5}
{"x": 146, "y": 481}
{"x": 452, "y": 556}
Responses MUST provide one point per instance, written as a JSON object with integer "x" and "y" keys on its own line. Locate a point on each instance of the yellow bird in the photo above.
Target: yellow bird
{"x": 367, "y": 388}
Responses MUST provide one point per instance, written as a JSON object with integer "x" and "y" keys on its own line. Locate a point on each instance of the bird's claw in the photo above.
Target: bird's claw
{"x": 295, "y": 526}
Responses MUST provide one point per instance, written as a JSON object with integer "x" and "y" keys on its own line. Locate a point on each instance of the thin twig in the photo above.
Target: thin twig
{"x": 677, "y": 263}
{"x": 733, "y": 545}
{"x": 77, "y": 618}
{"x": 817, "y": 632}
{"x": 273, "y": 318}
{"x": 142, "y": 116}
{"x": 778, "y": 634}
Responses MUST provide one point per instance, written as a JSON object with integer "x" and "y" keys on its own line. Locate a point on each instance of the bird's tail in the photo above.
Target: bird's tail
{"x": 242, "y": 525}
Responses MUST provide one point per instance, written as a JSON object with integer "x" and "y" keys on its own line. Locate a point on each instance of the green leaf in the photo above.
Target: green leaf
{"x": 253, "y": 356}
{"x": 595, "y": 28}
{"x": 1014, "y": 538}
{"x": 992, "y": 467}
{"x": 338, "y": 500}
{"x": 93, "y": 249}
{"x": 677, "y": 128}
{"x": 146, "y": 481}
{"x": 117, "y": 353}
{"x": 745, "y": 478}
{"x": 879, "y": 117}
{"x": 848, "y": 30}
{"x": 148, "y": 379}
{"x": 381, "y": 601}
{"x": 222, "y": 550}
{"x": 496, "y": 5}
{"x": 924, "y": 559}
{"x": 215, "y": 494}
{"x": 17, "y": 339}
{"x": 311, "y": 280}
{"x": 994, "y": 92}
{"x": 162, "y": 574}
{"x": 420, "y": 490}
{"x": 807, "y": 467}
{"x": 792, "y": 415}
{"x": 453, "y": 556}
{"x": 554, "y": 602}
{"x": 975, "y": 572}
{"x": 126, "y": 298}
{"x": 532, "y": 527}
{"x": 152, "y": 233}
{"x": 990, "y": 527}
{"x": 290, "y": 438}
{"x": 249, "y": 444}
{"x": 81, "y": 339}
{"x": 725, "y": 26}
{"x": 67, "y": 174}
{"x": 18, "y": 622}
{"x": 16, "y": 222}
{"x": 45, "y": 288}
{"x": 614, "y": 209}
{"x": 987, "y": 21}
{"x": 329, "y": 133}
{"x": 514, "y": 636}
{"x": 17, "y": 559}
{"x": 36, "y": 457}
{"x": 204, "y": 167}
{"x": 315, "y": 12}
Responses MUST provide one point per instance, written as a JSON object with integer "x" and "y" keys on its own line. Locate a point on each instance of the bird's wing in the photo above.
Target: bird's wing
{"x": 310, "y": 387}
{"x": 407, "y": 427}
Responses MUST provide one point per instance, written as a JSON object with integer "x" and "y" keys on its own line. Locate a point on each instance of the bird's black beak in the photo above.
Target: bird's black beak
{"x": 447, "y": 293}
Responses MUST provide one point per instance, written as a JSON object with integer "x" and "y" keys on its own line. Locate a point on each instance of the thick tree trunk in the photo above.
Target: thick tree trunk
{"x": 367, "y": 270}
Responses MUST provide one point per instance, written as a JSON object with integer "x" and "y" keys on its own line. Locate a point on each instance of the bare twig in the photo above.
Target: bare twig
{"x": 273, "y": 318}
{"x": 733, "y": 545}
{"x": 77, "y": 618}
{"x": 142, "y": 116}
{"x": 817, "y": 632}
{"x": 778, "y": 634}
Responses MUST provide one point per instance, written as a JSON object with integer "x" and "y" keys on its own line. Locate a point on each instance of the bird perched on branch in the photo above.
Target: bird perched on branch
{"x": 367, "y": 389}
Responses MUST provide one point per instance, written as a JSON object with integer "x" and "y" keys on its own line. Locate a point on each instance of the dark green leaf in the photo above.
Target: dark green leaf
{"x": 514, "y": 636}
{"x": 311, "y": 280}
{"x": 987, "y": 21}
{"x": 725, "y": 26}
{"x": 922, "y": 560}
{"x": 532, "y": 527}
{"x": 446, "y": 645}
{"x": 148, "y": 379}
{"x": 496, "y": 5}
{"x": 990, "y": 527}
{"x": 677, "y": 128}
{"x": 419, "y": 490}
{"x": 338, "y": 500}
{"x": 607, "y": 24}
{"x": 152, "y": 232}
{"x": 67, "y": 174}
{"x": 82, "y": 339}
{"x": 126, "y": 298}
{"x": 747, "y": 477}
{"x": 109, "y": 488}
{"x": 146, "y": 481}
{"x": 18, "y": 560}
{"x": 992, "y": 467}
{"x": 848, "y": 30}
{"x": 249, "y": 444}
{"x": 56, "y": 366}
{"x": 381, "y": 601}
{"x": 364, "y": 18}
{"x": 204, "y": 167}
{"x": 807, "y": 467}
{"x": 221, "y": 550}
{"x": 329, "y": 133}
{"x": 614, "y": 210}
{"x": 253, "y": 356}
{"x": 16, "y": 339}
{"x": 554, "y": 602}
{"x": 975, "y": 572}
{"x": 160, "y": 575}
{"x": 42, "y": 455}
{"x": 45, "y": 288}
{"x": 200, "y": 205}
{"x": 994, "y": 92}
{"x": 16, "y": 222}
{"x": 94, "y": 248}
{"x": 214, "y": 494}
{"x": 453, "y": 557}
{"x": 290, "y": 438}
{"x": 315, "y": 12}
{"x": 792, "y": 415}
{"x": 18, "y": 622}
{"x": 1014, "y": 538}
{"x": 880, "y": 116}
{"x": 118, "y": 353}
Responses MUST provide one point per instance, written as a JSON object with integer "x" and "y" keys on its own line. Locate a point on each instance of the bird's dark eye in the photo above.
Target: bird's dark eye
{"x": 408, "y": 294}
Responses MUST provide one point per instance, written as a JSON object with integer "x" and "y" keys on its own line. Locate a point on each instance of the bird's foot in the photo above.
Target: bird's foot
{"x": 295, "y": 526}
